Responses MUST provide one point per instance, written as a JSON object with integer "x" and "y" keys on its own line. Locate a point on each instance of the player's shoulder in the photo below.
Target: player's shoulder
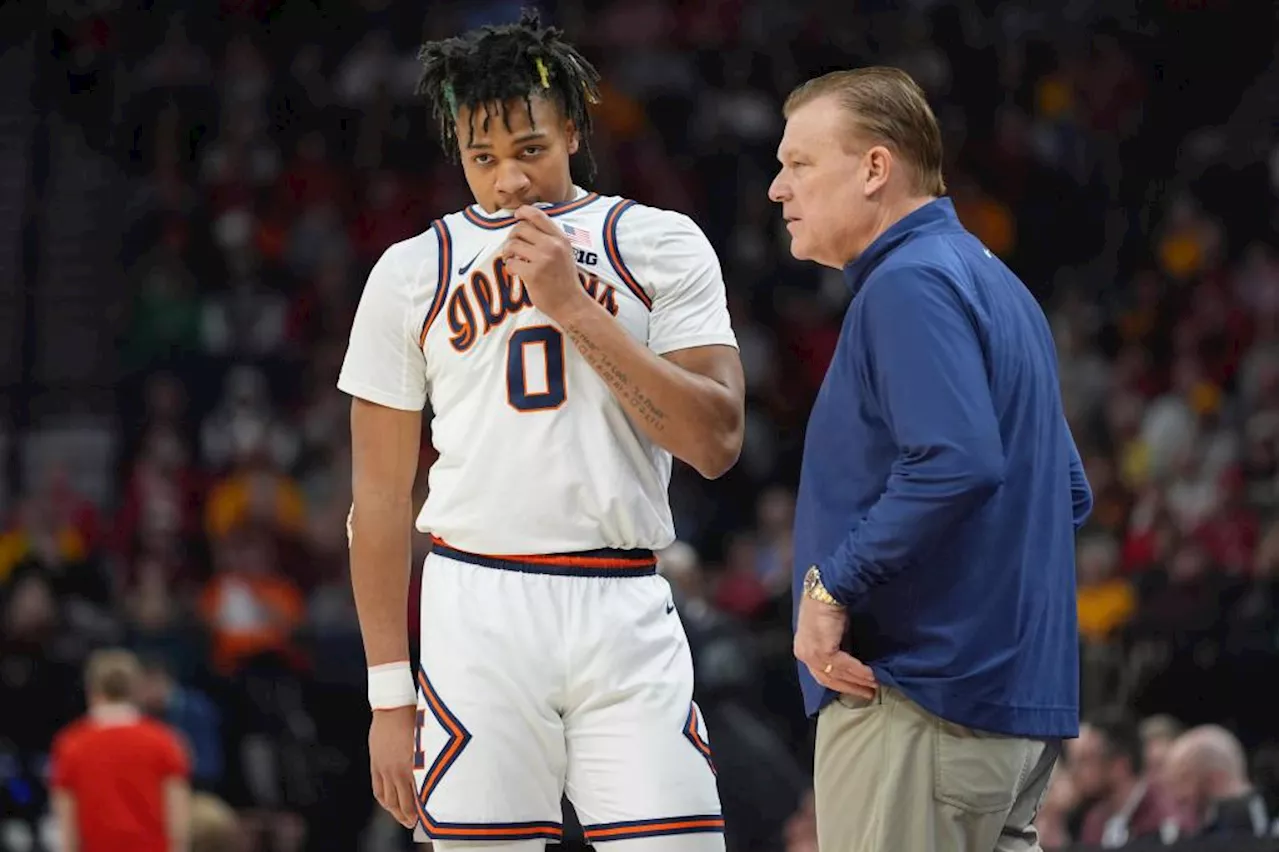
{"x": 635, "y": 218}
{"x": 660, "y": 244}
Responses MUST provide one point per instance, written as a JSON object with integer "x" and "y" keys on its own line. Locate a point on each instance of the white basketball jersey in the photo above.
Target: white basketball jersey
{"x": 536, "y": 455}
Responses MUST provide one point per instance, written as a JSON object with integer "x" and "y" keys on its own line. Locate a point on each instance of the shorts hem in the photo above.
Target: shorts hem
{"x": 696, "y": 824}
{"x": 483, "y": 832}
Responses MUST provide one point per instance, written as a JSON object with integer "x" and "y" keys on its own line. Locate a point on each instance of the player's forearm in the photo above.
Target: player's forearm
{"x": 694, "y": 417}
{"x": 384, "y": 457}
{"x": 380, "y": 552}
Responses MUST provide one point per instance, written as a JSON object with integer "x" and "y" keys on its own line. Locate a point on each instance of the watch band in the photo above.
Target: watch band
{"x": 817, "y": 591}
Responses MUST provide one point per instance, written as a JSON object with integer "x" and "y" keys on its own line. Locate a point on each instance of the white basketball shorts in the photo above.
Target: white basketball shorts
{"x": 545, "y": 675}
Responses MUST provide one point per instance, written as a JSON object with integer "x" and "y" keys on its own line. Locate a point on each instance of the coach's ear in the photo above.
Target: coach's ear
{"x": 879, "y": 164}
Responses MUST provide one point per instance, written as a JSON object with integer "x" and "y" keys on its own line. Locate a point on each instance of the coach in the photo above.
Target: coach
{"x": 939, "y": 496}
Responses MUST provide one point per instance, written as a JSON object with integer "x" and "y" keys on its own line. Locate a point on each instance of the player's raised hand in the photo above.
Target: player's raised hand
{"x": 391, "y": 762}
{"x": 541, "y": 255}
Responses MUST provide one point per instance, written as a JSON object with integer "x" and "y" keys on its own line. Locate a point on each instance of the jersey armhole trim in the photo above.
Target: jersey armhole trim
{"x": 615, "y": 256}
{"x": 442, "y": 278}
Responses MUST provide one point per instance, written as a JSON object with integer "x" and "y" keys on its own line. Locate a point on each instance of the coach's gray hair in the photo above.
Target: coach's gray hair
{"x": 887, "y": 105}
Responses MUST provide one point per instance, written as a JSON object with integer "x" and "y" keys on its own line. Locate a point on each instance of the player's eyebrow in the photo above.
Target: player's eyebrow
{"x": 528, "y": 136}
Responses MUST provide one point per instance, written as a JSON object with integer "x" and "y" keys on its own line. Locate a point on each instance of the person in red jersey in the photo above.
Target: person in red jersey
{"x": 119, "y": 781}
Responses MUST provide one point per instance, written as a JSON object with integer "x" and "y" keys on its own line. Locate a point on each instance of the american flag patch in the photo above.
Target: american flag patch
{"x": 577, "y": 236}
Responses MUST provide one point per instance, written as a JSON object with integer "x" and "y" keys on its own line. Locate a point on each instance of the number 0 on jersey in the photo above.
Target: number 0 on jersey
{"x": 535, "y": 369}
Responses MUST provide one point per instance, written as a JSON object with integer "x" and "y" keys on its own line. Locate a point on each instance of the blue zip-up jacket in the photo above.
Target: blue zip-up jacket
{"x": 941, "y": 490}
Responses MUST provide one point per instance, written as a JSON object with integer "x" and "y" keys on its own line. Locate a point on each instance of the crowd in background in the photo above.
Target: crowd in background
{"x": 273, "y": 150}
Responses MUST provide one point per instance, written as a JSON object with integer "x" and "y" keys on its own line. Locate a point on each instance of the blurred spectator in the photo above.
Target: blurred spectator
{"x": 119, "y": 781}
{"x": 386, "y": 215}
{"x": 57, "y": 533}
{"x": 162, "y": 495}
{"x": 243, "y": 426}
{"x": 1158, "y": 734}
{"x": 1105, "y": 601}
{"x": 311, "y": 179}
{"x": 190, "y": 713}
{"x": 176, "y": 62}
{"x": 1228, "y": 531}
{"x": 254, "y": 492}
{"x": 245, "y": 75}
{"x": 373, "y": 65}
{"x": 164, "y": 319}
{"x": 1176, "y": 635}
{"x": 156, "y": 624}
{"x": 985, "y": 217}
{"x": 1208, "y": 777}
{"x": 317, "y": 244}
{"x": 775, "y": 512}
{"x": 248, "y": 606}
{"x": 247, "y": 320}
{"x": 39, "y": 675}
{"x": 741, "y": 591}
{"x": 1121, "y": 802}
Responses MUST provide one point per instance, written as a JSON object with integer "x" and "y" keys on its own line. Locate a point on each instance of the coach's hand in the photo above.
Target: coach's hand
{"x": 391, "y": 762}
{"x": 541, "y": 255}
{"x": 820, "y": 629}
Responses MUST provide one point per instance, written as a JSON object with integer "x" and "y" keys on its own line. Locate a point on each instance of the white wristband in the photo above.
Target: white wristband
{"x": 391, "y": 686}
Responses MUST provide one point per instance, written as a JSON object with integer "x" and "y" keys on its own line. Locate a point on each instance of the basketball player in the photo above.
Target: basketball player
{"x": 570, "y": 345}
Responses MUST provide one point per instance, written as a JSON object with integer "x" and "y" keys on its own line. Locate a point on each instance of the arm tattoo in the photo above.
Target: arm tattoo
{"x": 618, "y": 380}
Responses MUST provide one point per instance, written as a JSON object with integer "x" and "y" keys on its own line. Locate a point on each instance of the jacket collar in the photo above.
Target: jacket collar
{"x": 939, "y": 214}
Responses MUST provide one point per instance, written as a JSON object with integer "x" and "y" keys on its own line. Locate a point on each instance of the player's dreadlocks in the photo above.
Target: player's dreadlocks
{"x": 491, "y": 66}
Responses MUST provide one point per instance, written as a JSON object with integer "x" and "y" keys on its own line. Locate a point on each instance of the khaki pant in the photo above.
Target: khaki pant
{"x": 891, "y": 777}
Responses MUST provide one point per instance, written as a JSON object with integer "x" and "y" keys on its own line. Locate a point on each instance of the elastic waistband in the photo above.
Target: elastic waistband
{"x": 607, "y": 562}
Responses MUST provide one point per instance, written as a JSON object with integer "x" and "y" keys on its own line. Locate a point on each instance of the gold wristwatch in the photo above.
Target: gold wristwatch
{"x": 813, "y": 587}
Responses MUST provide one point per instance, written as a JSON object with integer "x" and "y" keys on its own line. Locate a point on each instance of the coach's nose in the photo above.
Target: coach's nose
{"x": 778, "y": 190}
{"x": 512, "y": 183}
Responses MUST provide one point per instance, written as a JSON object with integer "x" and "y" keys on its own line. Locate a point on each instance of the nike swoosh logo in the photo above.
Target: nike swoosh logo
{"x": 671, "y": 608}
{"x": 462, "y": 270}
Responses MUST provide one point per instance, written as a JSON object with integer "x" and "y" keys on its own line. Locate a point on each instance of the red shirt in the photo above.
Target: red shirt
{"x": 115, "y": 766}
